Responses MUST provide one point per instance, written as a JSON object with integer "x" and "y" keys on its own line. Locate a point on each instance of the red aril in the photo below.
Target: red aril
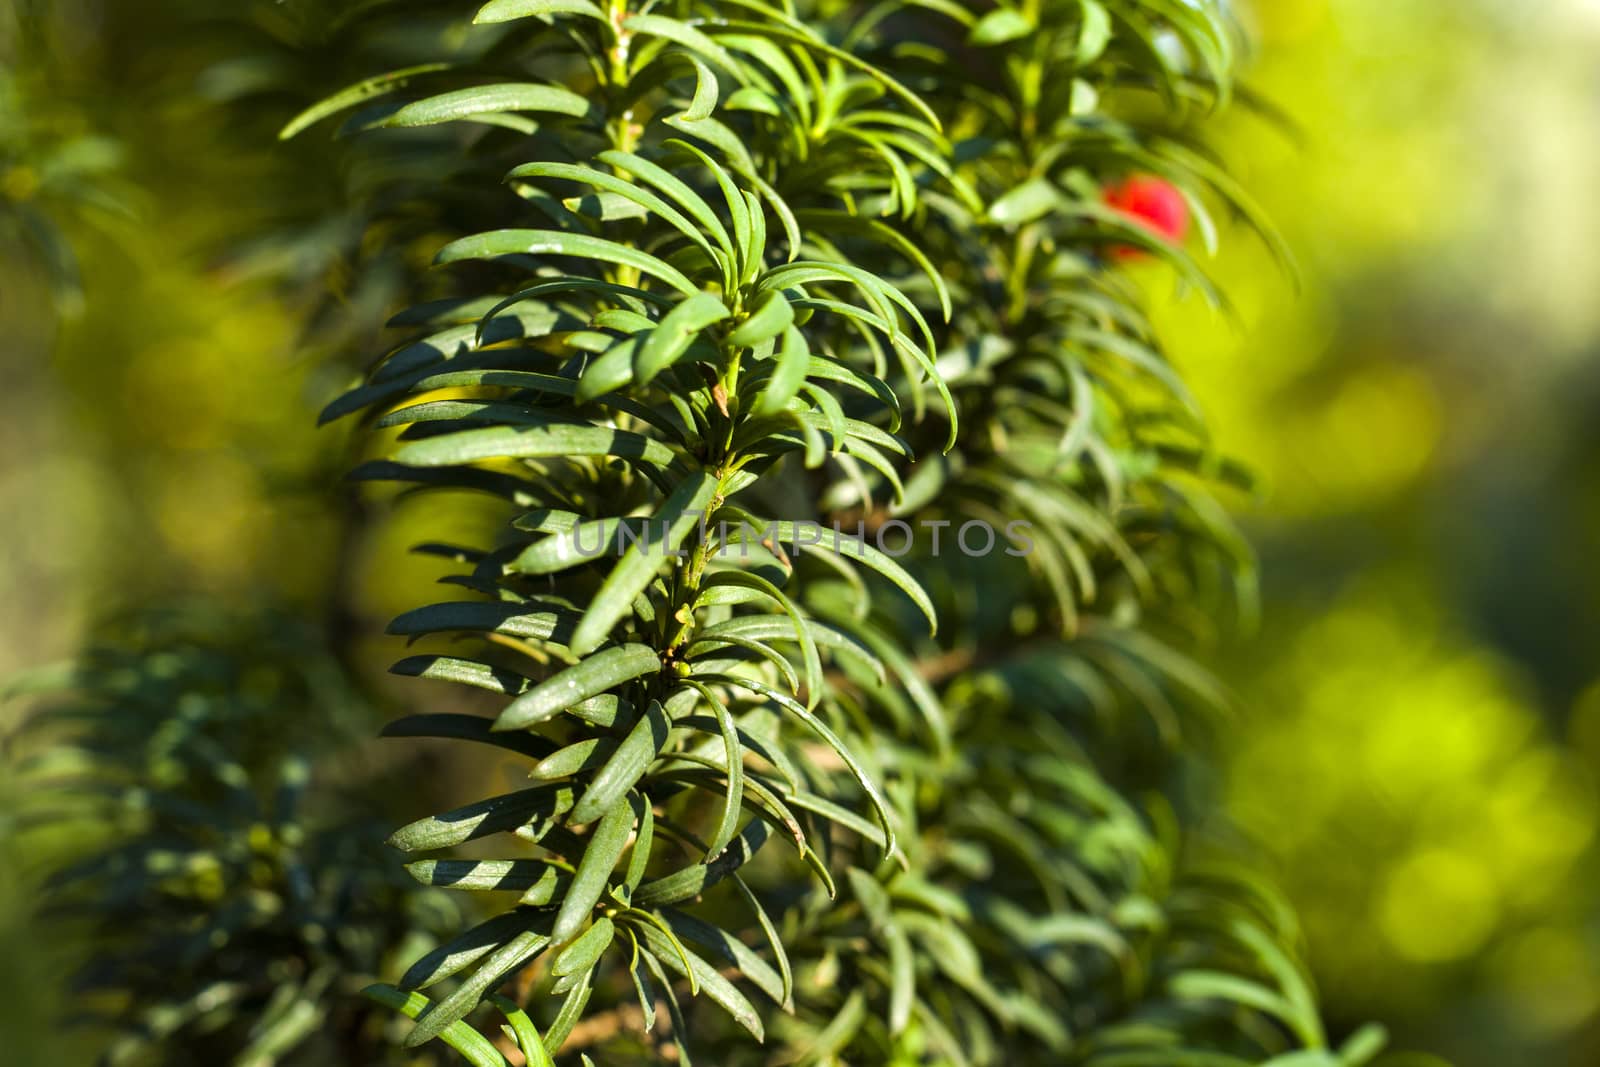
{"x": 1151, "y": 202}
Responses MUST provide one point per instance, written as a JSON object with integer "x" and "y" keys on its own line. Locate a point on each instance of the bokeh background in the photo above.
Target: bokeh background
{"x": 1420, "y": 742}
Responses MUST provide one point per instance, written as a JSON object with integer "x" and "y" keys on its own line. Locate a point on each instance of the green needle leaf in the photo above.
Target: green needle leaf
{"x": 556, "y": 243}
{"x": 670, "y": 951}
{"x": 586, "y": 950}
{"x": 488, "y": 99}
{"x": 589, "y": 882}
{"x": 360, "y": 92}
{"x": 591, "y": 677}
{"x": 532, "y": 442}
{"x": 680, "y": 513}
{"x": 673, "y": 335}
{"x": 771, "y": 315}
{"x": 626, "y": 766}
{"x": 508, "y": 958}
{"x": 459, "y": 1036}
{"x": 509, "y": 10}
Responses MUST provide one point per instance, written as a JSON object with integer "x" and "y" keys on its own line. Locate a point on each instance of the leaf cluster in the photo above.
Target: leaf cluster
{"x": 759, "y": 267}
{"x": 166, "y": 792}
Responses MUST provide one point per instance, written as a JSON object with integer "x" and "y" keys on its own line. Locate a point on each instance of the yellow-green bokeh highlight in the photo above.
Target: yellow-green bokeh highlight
{"x": 1424, "y": 805}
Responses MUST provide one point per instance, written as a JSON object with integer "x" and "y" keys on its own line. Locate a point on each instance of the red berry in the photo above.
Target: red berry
{"x": 1153, "y": 203}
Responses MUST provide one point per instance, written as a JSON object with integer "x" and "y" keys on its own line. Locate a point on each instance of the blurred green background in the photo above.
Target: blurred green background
{"x": 1420, "y": 741}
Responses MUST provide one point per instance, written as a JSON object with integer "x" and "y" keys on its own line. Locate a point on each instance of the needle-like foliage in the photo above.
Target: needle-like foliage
{"x": 236, "y": 904}
{"x": 767, "y": 289}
